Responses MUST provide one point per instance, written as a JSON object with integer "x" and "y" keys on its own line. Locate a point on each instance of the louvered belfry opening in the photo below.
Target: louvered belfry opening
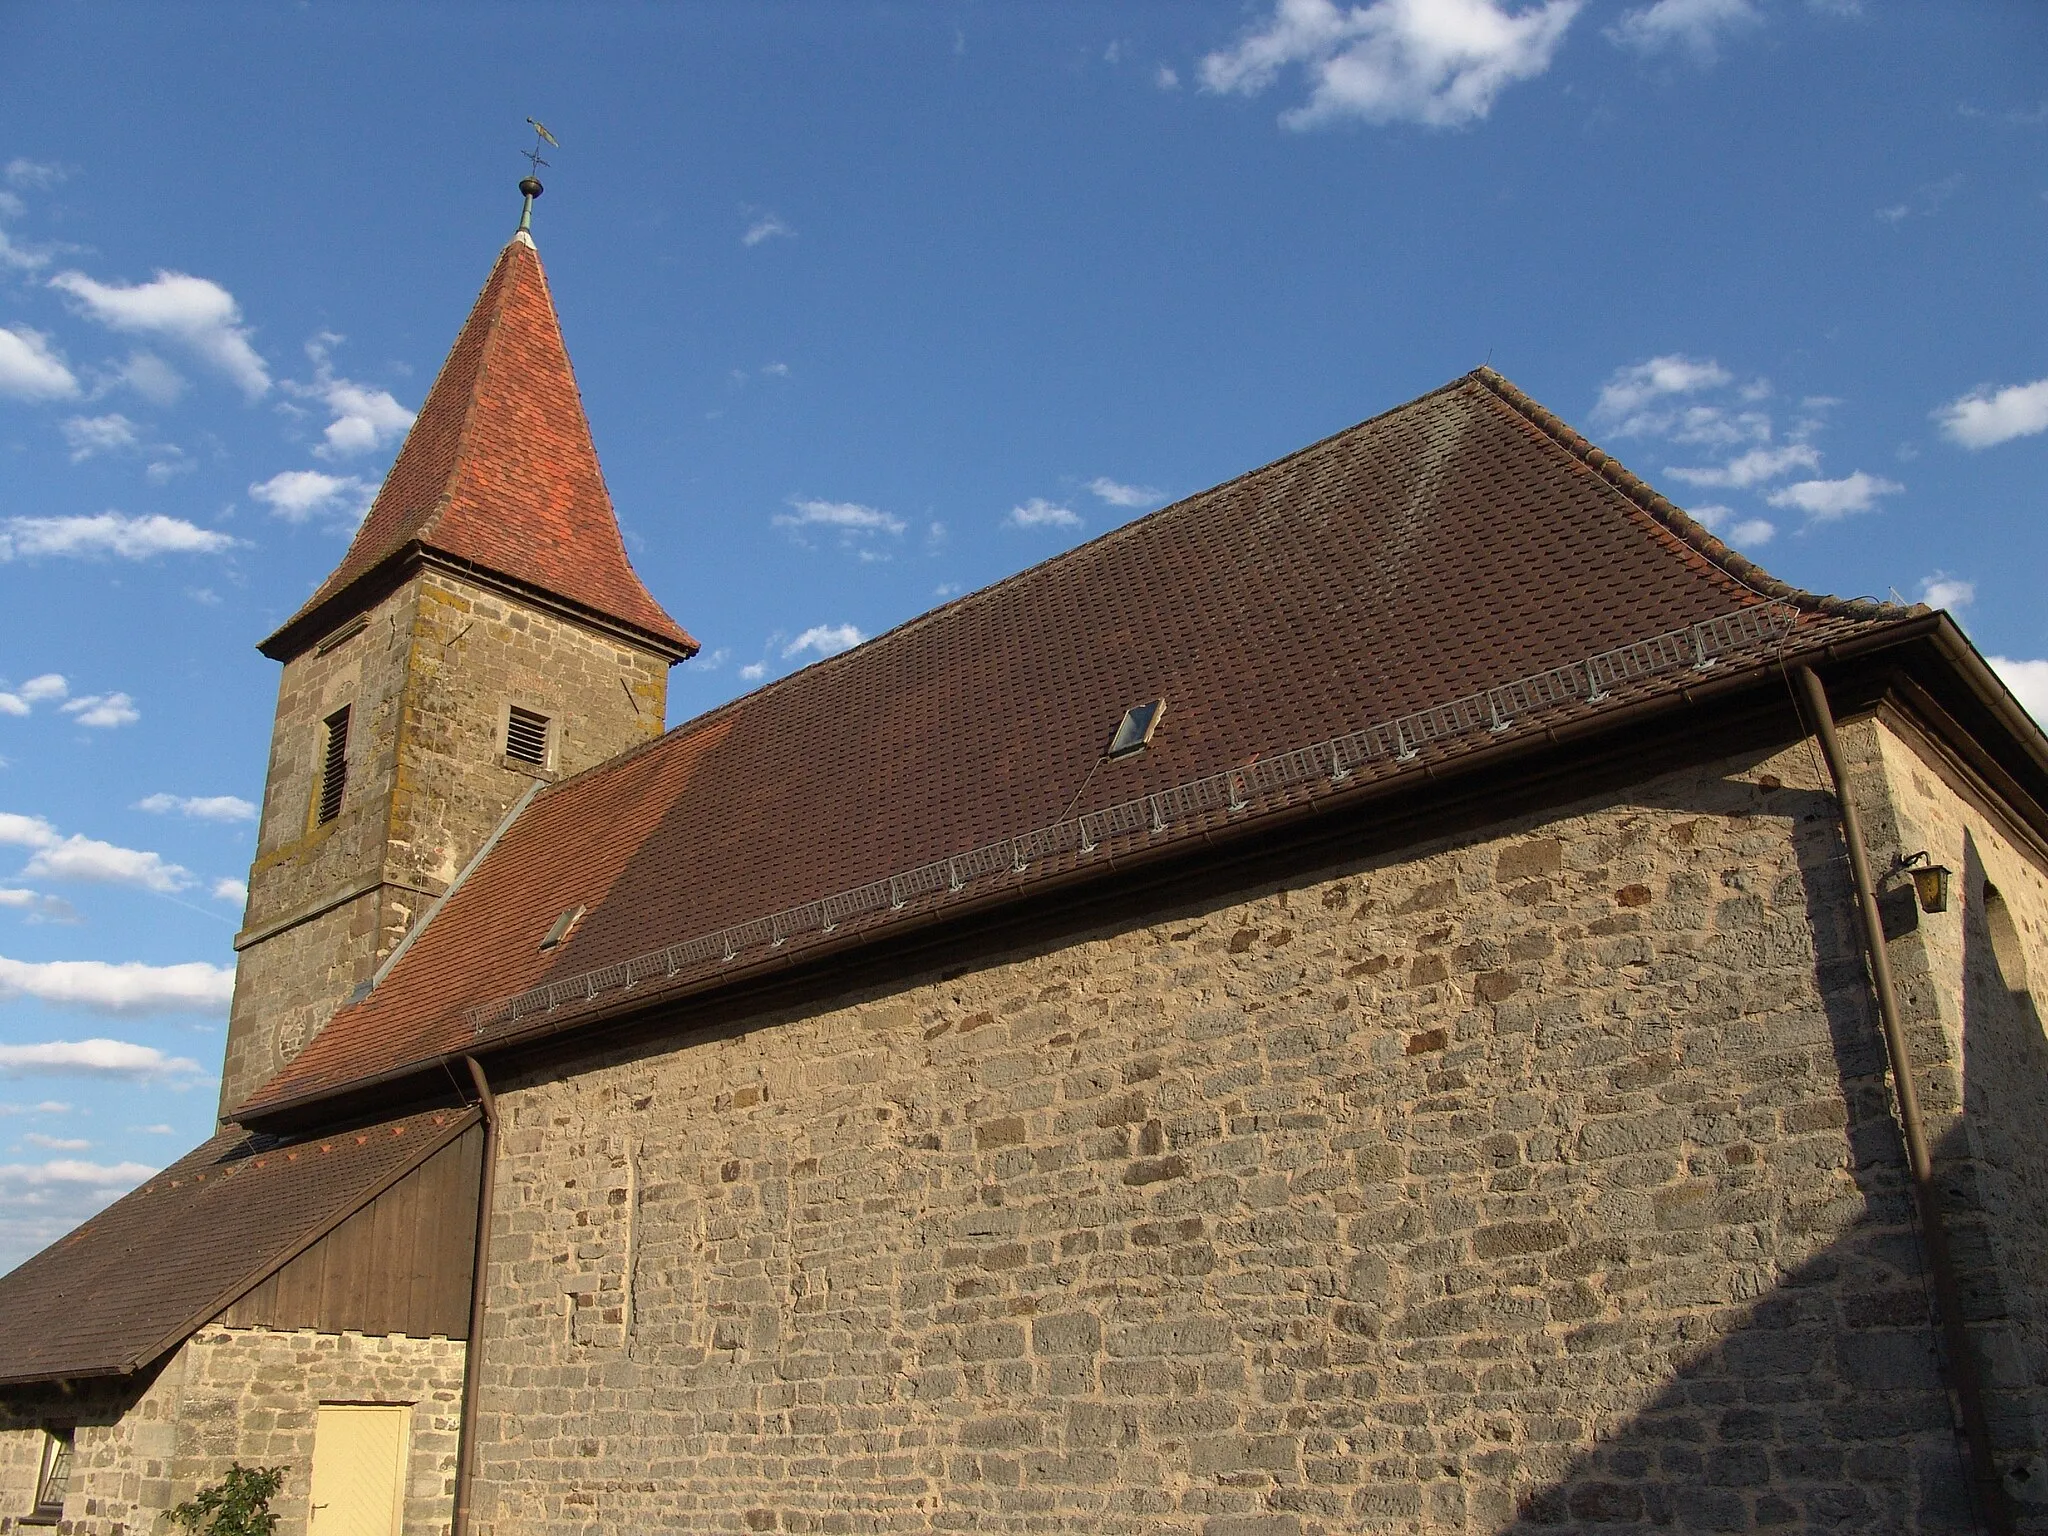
{"x": 526, "y": 736}
{"x": 334, "y": 765}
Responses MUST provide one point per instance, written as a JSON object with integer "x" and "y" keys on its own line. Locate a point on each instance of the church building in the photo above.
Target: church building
{"x": 1415, "y": 990}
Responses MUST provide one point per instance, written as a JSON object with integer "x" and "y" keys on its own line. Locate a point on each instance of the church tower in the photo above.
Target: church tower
{"x": 484, "y": 631}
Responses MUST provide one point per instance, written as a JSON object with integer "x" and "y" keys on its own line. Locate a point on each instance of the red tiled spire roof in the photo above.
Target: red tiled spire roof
{"x": 499, "y": 472}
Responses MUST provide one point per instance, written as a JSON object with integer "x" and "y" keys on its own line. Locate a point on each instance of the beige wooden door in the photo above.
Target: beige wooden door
{"x": 359, "y": 1469}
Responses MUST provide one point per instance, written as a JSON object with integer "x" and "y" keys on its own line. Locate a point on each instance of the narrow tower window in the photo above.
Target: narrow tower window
{"x": 54, "y": 1478}
{"x": 526, "y": 736}
{"x": 334, "y": 765}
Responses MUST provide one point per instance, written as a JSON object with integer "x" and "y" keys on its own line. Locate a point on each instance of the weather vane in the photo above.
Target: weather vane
{"x": 529, "y": 184}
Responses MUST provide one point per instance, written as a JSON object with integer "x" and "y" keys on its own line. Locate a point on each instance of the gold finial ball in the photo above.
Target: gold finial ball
{"x": 530, "y": 186}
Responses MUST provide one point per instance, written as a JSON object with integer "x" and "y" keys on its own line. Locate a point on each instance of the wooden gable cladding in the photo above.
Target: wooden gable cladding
{"x": 401, "y": 1264}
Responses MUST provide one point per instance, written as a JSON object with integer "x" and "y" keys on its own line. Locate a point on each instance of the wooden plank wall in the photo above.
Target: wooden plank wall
{"x": 401, "y": 1264}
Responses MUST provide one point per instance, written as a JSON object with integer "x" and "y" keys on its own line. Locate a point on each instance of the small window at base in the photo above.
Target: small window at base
{"x": 334, "y": 765}
{"x": 526, "y": 736}
{"x": 54, "y": 1480}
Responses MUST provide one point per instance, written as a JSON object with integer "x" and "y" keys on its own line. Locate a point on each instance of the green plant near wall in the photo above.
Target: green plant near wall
{"x": 237, "y": 1505}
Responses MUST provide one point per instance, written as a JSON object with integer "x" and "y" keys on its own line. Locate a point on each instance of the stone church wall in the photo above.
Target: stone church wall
{"x": 1537, "y": 1179}
{"x": 1983, "y": 1057}
{"x": 234, "y": 1394}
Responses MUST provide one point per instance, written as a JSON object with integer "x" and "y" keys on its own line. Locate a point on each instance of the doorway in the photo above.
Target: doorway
{"x": 359, "y": 1456}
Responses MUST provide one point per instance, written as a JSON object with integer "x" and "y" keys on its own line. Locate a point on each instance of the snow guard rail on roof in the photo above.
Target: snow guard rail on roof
{"x": 1399, "y": 741}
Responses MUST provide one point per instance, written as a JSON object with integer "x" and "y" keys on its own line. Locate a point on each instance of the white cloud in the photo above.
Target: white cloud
{"x": 154, "y": 1130}
{"x": 192, "y": 312}
{"x": 20, "y": 258}
{"x": 299, "y": 494}
{"x": 107, "y": 533}
{"x": 56, "y": 1143}
{"x": 767, "y": 227}
{"x": 2028, "y": 681}
{"x": 30, "y": 370}
{"x": 1437, "y": 62}
{"x": 88, "y": 859}
{"x": 152, "y": 378}
{"x": 199, "y": 807}
{"x": 1040, "y": 513}
{"x": 24, "y": 172}
{"x": 37, "y": 907}
{"x": 1118, "y": 495}
{"x": 1942, "y": 590}
{"x": 1753, "y": 468}
{"x": 88, "y": 435}
{"x": 1927, "y": 200}
{"x": 754, "y": 671}
{"x": 1984, "y": 419}
{"x": 225, "y": 889}
{"x": 825, "y": 639}
{"x": 27, "y": 831}
{"x": 1697, "y": 27}
{"x": 1745, "y": 532}
{"x": 1625, "y": 395}
{"x": 1166, "y": 77}
{"x": 70, "y": 1171}
{"x": 365, "y": 418}
{"x": 103, "y": 711}
{"x": 849, "y": 517}
{"x": 127, "y": 987}
{"x": 37, "y": 690}
{"x": 1826, "y": 500}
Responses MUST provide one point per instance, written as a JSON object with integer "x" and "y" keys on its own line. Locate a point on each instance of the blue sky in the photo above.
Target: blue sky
{"x": 876, "y": 303}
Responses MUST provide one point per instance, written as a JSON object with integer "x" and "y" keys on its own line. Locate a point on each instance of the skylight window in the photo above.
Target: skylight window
{"x": 564, "y": 926}
{"x": 1135, "y": 733}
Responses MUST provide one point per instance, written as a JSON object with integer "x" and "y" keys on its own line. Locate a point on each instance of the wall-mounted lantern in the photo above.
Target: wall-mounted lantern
{"x": 1930, "y": 880}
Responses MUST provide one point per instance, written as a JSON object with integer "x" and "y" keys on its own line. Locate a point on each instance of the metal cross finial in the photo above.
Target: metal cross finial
{"x": 529, "y": 185}
{"x": 540, "y": 133}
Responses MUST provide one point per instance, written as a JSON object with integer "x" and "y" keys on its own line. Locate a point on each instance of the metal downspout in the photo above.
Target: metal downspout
{"x": 1993, "y": 1507}
{"x": 473, "y": 1355}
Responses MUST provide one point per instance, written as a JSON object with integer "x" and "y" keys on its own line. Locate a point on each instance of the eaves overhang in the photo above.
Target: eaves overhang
{"x": 307, "y": 629}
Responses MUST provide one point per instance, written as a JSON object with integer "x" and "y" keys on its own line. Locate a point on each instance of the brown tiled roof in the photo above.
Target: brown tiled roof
{"x": 499, "y": 472}
{"x": 1451, "y": 545}
{"x": 138, "y": 1278}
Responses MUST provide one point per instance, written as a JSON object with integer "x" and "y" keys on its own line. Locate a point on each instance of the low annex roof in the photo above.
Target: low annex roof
{"x": 499, "y": 472}
{"x": 137, "y": 1279}
{"x": 1452, "y": 545}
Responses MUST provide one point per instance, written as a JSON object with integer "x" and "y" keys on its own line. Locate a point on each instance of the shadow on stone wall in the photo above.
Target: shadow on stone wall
{"x": 1821, "y": 1406}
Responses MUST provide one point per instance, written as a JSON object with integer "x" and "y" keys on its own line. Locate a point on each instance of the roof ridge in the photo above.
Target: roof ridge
{"x": 1674, "y": 518}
